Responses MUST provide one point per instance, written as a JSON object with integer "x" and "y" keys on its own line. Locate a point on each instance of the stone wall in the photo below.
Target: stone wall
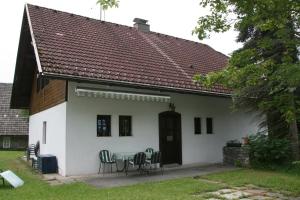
{"x": 237, "y": 156}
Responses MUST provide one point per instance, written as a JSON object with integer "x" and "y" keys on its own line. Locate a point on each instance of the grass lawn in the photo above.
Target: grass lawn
{"x": 35, "y": 188}
{"x": 277, "y": 181}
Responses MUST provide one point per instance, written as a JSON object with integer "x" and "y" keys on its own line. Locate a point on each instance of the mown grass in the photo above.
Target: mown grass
{"x": 186, "y": 188}
{"x": 282, "y": 181}
{"x": 35, "y": 188}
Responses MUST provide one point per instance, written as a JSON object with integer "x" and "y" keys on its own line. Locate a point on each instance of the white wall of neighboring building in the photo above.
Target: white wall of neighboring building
{"x": 55, "y": 133}
{"x": 83, "y": 145}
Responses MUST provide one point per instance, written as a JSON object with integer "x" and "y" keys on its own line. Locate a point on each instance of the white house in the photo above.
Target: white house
{"x": 93, "y": 85}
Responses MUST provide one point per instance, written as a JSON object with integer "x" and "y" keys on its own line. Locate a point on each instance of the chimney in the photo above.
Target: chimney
{"x": 141, "y": 24}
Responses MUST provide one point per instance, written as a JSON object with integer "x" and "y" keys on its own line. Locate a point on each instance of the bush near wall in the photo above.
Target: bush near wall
{"x": 266, "y": 152}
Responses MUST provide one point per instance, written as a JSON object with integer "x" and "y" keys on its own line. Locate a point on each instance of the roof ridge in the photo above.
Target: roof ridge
{"x": 78, "y": 15}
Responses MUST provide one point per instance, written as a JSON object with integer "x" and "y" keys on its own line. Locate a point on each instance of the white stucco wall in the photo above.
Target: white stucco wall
{"x": 82, "y": 144}
{"x": 56, "y": 133}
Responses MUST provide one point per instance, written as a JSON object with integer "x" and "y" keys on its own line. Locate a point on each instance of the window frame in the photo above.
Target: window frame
{"x": 127, "y": 117}
{"x": 104, "y": 117}
{"x": 197, "y": 127}
{"x": 207, "y": 125}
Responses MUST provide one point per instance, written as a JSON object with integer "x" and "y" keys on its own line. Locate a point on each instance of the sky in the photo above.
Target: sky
{"x": 172, "y": 17}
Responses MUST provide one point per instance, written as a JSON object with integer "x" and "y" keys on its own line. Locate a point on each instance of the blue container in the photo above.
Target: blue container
{"x": 47, "y": 164}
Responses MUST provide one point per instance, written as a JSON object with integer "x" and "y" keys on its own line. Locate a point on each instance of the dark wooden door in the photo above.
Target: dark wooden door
{"x": 170, "y": 137}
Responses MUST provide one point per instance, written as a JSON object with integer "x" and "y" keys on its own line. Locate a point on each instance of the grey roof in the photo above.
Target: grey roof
{"x": 12, "y": 121}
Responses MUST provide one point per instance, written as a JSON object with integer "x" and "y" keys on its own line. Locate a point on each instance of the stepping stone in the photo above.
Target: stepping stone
{"x": 261, "y": 198}
{"x": 276, "y": 195}
{"x": 235, "y": 195}
{"x": 222, "y": 191}
{"x": 256, "y": 192}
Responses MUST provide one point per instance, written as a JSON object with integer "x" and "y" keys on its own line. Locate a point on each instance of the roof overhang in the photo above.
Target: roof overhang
{"x": 134, "y": 85}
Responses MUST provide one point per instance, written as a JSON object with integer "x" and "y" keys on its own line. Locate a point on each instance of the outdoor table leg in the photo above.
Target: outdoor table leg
{"x": 126, "y": 165}
{"x": 123, "y": 168}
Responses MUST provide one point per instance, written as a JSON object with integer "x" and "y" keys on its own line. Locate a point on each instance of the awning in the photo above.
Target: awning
{"x": 122, "y": 95}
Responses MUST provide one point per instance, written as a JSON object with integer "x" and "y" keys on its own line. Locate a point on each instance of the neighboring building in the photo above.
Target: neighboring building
{"x": 13, "y": 123}
{"x": 93, "y": 85}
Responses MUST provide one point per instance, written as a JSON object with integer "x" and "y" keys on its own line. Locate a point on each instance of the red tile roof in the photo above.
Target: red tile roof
{"x": 82, "y": 48}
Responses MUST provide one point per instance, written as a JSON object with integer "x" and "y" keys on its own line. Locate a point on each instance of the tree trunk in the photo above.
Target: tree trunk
{"x": 293, "y": 129}
{"x": 293, "y": 133}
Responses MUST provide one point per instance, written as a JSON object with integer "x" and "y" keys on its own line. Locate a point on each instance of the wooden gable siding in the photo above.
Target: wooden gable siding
{"x": 51, "y": 95}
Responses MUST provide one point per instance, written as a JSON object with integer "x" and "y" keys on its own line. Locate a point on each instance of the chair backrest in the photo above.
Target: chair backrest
{"x": 104, "y": 156}
{"x": 150, "y": 150}
{"x": 139, "y": 158}
{"x": 156, "y": 157}
{"x": 31, "y": 149}
{"x": 37, "y": 149}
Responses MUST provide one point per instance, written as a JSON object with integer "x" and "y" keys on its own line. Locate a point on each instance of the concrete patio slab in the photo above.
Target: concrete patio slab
{"x": 134, "y": 178}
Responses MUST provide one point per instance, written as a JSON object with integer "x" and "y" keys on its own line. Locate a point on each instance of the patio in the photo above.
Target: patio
{"x": 120, "y": 179}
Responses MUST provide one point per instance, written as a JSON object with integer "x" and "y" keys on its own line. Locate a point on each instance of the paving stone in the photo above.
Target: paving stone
{"x": 68, "y": 181}
{"x": 248, "y": 193}
{"x": 216, "y": 193}
{"x": 224, "y": 191}
{"x": 276, "y": 195}
{"x": 261, "y": 198}
{"x": 256, "y": 191}
{"x": 235, "y": 195}
{"x": 294, "y": 198}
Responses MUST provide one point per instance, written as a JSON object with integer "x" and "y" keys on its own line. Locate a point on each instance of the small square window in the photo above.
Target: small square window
{"x": 209, "y": 125}
{"x": 197, "y": 125}
{"x": 125, "y": 126}
{"x": 103, "y": 125}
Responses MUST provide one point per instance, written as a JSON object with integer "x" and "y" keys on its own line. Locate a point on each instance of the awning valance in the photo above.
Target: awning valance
{"x": 122, "y": 95}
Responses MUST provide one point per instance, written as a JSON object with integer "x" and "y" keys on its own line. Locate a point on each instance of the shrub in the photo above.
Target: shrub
{"x": 296, "y": 165}
{"x": 268, "y": 152}
{"x": 238, "y": 163}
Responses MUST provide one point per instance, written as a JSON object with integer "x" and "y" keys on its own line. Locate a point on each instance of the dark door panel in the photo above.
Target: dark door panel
{"x": 170, "y": 137}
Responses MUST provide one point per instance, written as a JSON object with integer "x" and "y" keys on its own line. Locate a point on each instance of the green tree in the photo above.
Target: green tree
{"x": 265, "y": 72}
{"x": 105, "y": 4}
